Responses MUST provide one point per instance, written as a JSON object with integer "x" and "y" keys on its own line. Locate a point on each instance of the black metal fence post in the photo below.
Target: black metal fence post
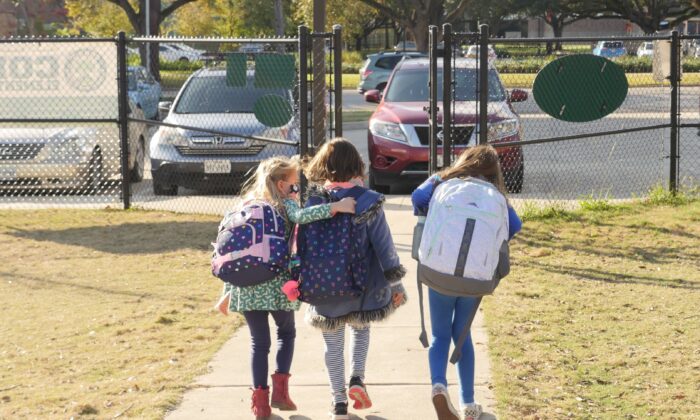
{"x": 447, "y": 95}
{"x": 675, "y": 97}
{"x": 338, "y": 79}
{"x": 433, "y": 107}
{"x": 483, "y": 84}
{"x": 303, "y": 90}
{"x": 122, "y": 92}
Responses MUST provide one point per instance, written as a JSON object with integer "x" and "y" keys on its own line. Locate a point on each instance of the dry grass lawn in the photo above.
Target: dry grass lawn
{"x": 104, "y": 312}
{"x": 599, "y": 317}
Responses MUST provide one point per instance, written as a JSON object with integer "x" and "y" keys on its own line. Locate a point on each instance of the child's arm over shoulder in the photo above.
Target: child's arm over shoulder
{"x": 299, "y": 215}
{"x": 422, "y": 195}
{"x": 514, "y": 223}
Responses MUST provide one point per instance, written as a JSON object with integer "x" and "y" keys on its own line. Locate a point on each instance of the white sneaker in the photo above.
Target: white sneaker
{"x": 441, "y": 401}
{"x": 471, "y": 411}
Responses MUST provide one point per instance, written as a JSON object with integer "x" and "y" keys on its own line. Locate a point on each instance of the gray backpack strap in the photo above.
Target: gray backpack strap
{"x": 457, "y": 352}
{"x": 423, "y": 335}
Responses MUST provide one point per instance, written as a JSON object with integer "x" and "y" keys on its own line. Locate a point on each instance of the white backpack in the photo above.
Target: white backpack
{"x": 464, "y": 243}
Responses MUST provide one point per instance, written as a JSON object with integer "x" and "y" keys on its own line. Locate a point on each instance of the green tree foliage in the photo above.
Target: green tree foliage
{"x": 416, "y": 15}
{"x": 648, "y": 14}
{"x": 356, "y": 18}
{"x": 96, "y": 18}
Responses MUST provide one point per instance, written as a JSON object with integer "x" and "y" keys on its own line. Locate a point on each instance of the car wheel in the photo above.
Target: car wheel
{"x": 382, "y": 189}
{"x": 184, "y": 60}
{"x": 514, "y": 180}
{"x": 137, "y": 170}
{"x": 381, "y": 86}
{"x": 159, "y": 188}
{"x": 94, "y": 176}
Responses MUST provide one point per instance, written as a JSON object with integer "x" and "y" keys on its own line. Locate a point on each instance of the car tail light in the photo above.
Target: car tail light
{"x": 366, "y": 73}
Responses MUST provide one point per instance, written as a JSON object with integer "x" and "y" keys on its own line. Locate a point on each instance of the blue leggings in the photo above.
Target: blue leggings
{"x": 448, "y": 314}
{"x": 260, "y": 342}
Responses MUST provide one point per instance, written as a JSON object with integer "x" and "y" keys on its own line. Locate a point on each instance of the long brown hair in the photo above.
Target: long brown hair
{"x": 478, "y": 161}
{"x": 336, "y": 161}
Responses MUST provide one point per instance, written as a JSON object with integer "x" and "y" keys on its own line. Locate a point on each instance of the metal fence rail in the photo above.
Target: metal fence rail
{"x": 634, "y": 146}
{"x": 179, "y": 125}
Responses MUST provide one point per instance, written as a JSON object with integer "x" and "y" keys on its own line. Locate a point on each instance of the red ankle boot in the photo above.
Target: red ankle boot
{"x": 260, "y": 403}
{"x": 280, "y": 392}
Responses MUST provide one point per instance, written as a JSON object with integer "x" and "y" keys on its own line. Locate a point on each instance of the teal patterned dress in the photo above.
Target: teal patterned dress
{"x": 268, "y": 296}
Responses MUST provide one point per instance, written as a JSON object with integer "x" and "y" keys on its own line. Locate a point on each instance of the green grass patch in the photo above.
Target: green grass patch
{"x": 104, "y": 312}
{"x": 598, "y": 318}
{"x": 356, "y": 116}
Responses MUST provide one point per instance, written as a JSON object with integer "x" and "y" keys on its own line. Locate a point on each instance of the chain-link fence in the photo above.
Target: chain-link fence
{"x": 59, "y": 134}
{"x": 199, "y": 114}
{"x": 689, "y": 114}
{"x": 573, "y": 117}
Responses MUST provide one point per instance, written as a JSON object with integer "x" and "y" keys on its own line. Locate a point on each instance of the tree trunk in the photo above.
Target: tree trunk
{"x": 558, "y": 31}
{"x": 420, "y": 33}
{"x": 279, "y": 23}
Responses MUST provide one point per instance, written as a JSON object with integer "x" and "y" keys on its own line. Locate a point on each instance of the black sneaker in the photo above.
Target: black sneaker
{"x": 339, "y": 411}
{"x": 358, "y": 394}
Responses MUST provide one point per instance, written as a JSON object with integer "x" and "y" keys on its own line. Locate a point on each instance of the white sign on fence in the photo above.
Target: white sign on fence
{"x": 58, "y": 80}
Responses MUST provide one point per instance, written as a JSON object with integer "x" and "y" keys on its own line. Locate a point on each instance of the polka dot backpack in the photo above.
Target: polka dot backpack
{"x": 250, "y": 247}
{"x": 333, "y": 266}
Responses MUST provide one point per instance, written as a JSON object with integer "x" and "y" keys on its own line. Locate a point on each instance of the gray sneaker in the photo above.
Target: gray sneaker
{"x": 471, "y": 411}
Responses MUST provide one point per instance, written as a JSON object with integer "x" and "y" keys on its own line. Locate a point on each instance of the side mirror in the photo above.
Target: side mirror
{"x": 518, "y": 95}
{"x": 164, "y": 108}
{"x": 373, "y": 96}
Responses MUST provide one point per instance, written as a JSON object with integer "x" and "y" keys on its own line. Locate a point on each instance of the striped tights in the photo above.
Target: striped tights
{"x": 335, "y": 359}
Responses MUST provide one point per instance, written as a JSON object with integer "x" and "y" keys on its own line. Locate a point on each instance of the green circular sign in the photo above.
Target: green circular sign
{"x": 580, "y": 88}
{"x": 273, "y": 110}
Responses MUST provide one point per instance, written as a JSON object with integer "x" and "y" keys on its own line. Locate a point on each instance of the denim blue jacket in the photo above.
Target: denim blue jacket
{"x": 385, "y": 269}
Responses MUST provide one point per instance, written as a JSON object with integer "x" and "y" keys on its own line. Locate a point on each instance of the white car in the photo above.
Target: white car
{"x": 473, "y": 52}
{"x": 77, "y": 158}
{"x": 646, "y": 49}
{"x": 170, "y": 53}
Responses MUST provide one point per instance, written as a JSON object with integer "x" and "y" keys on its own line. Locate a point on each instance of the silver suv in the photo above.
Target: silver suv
{"x": 377, "y": 68}
{"x": 198, "y": 160}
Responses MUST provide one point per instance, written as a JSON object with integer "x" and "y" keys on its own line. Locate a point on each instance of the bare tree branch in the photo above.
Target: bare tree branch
{"x": 458, "y": 12}
{"x": 386, "y": 11}
{"x": 130, "y": 13}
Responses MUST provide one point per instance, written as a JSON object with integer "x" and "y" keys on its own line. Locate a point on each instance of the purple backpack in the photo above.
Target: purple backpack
{"x": 250, "y": 248}
{"x": 333, "y": 266}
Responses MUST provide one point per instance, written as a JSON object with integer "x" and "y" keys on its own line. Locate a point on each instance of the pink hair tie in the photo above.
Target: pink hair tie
{"x": 291, "y": 290}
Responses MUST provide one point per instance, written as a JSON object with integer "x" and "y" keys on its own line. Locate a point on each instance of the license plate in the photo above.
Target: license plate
{"x": 217, "y": 166}
{"x": 8, "y": 173}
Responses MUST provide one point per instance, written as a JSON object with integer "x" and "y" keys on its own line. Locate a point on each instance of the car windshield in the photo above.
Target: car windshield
{"x": 211, "y": 95}
{"x": 412, "y": 86}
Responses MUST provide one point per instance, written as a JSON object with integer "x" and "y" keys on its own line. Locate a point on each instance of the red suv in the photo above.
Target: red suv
{"x": 398, "y": 130}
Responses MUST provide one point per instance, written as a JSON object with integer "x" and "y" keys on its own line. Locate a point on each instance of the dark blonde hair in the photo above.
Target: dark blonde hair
{"x": 478, "y": 161}
{"x": 336, "y": 161}
{"x": 263, "y": 184}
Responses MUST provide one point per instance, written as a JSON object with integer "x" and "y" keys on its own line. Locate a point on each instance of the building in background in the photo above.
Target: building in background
{"x": 31, "y": 17}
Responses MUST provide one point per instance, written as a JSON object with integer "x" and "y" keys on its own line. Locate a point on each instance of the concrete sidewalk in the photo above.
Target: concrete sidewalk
{"x": 397, "y": 376}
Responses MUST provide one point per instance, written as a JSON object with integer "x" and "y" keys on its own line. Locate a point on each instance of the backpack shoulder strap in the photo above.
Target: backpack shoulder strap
{"x": 457, "y": 352}
{"x": 423, "y": 338}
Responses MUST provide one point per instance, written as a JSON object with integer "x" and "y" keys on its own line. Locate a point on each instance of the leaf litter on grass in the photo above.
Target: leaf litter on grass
{"x": 600, "y": 320}
{"x": 100, "y": 308}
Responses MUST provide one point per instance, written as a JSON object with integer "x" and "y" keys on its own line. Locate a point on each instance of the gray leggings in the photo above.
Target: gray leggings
{"x": 335, "y": 359}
